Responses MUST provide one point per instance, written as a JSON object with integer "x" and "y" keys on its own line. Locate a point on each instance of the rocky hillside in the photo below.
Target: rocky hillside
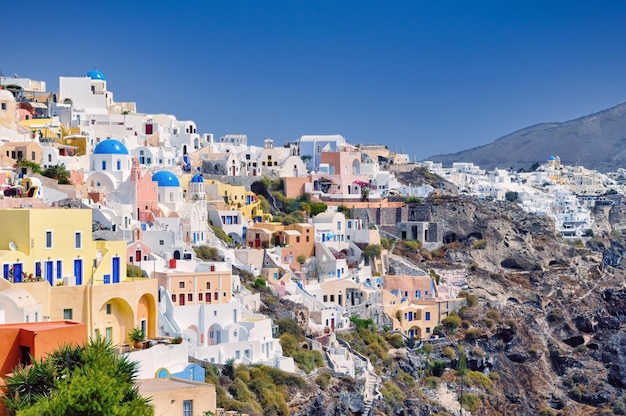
{"x": 542, "y": 332}
{"x": 597, "y": 141}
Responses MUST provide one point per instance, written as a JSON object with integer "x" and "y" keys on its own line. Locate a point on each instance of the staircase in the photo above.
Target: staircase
{"x": 372, "y": 380}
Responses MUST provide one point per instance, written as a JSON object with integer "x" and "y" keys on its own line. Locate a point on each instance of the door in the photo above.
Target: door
{"x": 78, "y": 272}
{"x": 49, "y": 275}
{"x": 116, "y": 269}
{"x": 17, "y": 272}
{"x": 181, "y": 299}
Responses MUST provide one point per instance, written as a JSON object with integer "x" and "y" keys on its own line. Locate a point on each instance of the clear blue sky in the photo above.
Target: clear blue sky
{"x": 426, "y": 77}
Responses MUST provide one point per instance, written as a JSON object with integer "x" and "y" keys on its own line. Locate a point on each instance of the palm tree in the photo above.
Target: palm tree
{"x": 28, "y": 384}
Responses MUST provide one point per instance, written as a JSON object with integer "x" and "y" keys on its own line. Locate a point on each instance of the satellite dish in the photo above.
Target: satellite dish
{"x": 12, "y": 246}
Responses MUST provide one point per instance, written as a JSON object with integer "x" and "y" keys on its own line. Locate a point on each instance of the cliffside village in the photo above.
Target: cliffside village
{"x": 146, "y": 190}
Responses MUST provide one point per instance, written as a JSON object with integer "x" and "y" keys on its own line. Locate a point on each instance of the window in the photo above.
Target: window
{"x": 174, "y": 298}
{"x": 199, "y": 297}
{"x": 297, "y": 239}
{"x": 108, "y": 309}
{"x": 48, "y": 239}
{"x": 108, "y": 333}
{"x": 187, "y": 407}
{"x": 32, "y": 155}
{"x": 307, "y": 238}
{"x": 208, "y": 285}
{"x": 78, "y": 240}
{"x": 161, "y": 242}
{"x": 190, "y": 297}
{"x": 67, "y": 314}
{"x": 428, "y": 316}
{"x": 181, "y": 285}
{"x": 104, "y": 165}
{"x": 325, "y": 298}
{"x": 237, "y": 355}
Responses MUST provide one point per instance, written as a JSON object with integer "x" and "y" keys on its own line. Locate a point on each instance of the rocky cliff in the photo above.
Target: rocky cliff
{"x": 543, "y": 331}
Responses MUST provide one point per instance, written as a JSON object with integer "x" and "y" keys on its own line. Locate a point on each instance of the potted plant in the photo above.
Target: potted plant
{"x": 136, "y": 336}
{"x": 177, "y": 340}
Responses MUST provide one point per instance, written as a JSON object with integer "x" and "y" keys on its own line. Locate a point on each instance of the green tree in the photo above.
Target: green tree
{"x": 289, "y": 344}
{"x": 89, "y": 380}
{"x": 372, "y": 251}
{"x": 59, "y": 173}
{"x": 511, "y": 196}
{"x": 34, "y": 167}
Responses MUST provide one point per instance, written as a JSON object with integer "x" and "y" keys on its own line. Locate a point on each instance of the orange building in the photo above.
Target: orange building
{"x": 37, "y": 339}
{"x": 190, "y": 288}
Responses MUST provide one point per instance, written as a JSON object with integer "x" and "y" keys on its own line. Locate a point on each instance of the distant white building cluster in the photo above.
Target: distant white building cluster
{"x": 565, "y": 193}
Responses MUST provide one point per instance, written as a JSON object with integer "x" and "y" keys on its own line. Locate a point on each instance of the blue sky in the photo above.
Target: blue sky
{"x": 423, "y": 77}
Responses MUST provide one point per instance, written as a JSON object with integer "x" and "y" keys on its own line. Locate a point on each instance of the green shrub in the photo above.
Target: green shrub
{"x": 406, "y": 378}
{"x": 480, "y": 244}
{"x": 413, "y": 245}
{"x": 449, "y": 352}
{"x": 323, "y": 380}
{"x": 290, "y": 326}
{"x": 437, "y": 368}
{"x": 396, "y": 340}
{"x": 493, "y": 314}
{"x": 308, "y": 360}
{"x": 207, "y": 253}
{"x": 431, "y": 382}
{"x": 392, "y": 395}
{"x": 133, "y": 271}
{"x": 478, "y": 379}
{"x": 473, "y": 334}
{"x": 219, "y": 233}
{"x": 470, "y": 299}
{"x": 427, "y": 348}
{"x": 470, "y": 402}
{"x": 451, "y": 322}
{"x": 289, "y": 343}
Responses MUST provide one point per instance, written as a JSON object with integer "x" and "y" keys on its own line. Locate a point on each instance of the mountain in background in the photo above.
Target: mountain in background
{"x": 596, "y": 141}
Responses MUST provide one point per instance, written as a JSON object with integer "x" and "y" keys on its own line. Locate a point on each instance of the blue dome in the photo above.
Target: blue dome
{"x": 110, "y": 147}
{"x": 95, "y": 74}
{"x": 552, "y": 158}
{"x": 165, "y": 178}
{"x": 197, "y": 178}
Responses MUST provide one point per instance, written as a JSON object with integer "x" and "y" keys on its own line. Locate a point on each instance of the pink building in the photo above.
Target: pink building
{"x": 145, "y": 191}
{"x": 136, "y": 252}
{"x": 344, "y": 170}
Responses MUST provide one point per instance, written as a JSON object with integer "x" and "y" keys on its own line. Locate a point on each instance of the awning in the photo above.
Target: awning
{"x": 38, "y": 105}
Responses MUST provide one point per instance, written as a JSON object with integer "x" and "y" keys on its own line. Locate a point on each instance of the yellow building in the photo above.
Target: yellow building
{"x": 170, "y": 396}
{"x": 236, "y": 197}
{"x": 50, "y": 254}
{"x": 418, "y": 318}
